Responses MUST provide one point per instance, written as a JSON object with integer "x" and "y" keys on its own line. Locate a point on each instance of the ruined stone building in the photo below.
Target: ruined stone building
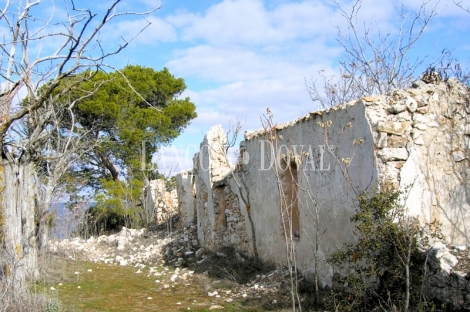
{"x": 160, "y": 204}
{"x": 301, "y": 178}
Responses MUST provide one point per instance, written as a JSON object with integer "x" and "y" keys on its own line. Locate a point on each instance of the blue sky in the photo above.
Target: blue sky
{"x": 240, "y": 56}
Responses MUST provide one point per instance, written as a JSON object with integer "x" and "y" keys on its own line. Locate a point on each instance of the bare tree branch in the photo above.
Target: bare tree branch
{"x": 374, "y": 61}
{"x": 461, "y": 5}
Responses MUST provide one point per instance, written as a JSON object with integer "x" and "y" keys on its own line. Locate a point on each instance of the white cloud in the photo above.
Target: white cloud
{"x": 225, "y": 65}
{"x": 158, "y": 31}
{"x": 233, "y": 22}
{"x": 245, "y": 55}
{"x": 287, "y": 99}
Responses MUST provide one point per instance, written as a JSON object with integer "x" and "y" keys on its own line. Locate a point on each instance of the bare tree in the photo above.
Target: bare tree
{"x": 465, "y": 7}
{"x": 60, "y": 148}
{"x": 374, "y": 61}
{"x": 37, "y": 54}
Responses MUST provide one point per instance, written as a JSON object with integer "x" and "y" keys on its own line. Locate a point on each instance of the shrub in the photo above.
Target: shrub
{"x": 386, "y": 267}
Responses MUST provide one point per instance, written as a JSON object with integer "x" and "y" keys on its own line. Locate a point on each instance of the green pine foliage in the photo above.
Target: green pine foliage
{"x": 112, "y": 115}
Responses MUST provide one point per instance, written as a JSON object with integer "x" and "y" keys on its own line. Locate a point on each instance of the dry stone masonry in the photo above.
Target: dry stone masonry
{"x": 310, "y": 170}
{"x": 160, "y": 202}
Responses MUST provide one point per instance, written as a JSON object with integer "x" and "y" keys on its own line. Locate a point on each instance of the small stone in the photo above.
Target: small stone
{"x": 399, "y": 164}
{"x": 411, "y": 104}
{"x": 419, "y": 141}
{"x": 458, "y": 155}
{"x": 394, "y": 127}
{"x": 423, "y": 110}
{"x": 459, "y": 247}
{"x": 199, "y": 252}
{"x": 396, "y": 141}
{"x": 418, "y": 84}
{"x": 382, "y": 140}
{"x": 388, "y": 154}
{"x": 396, "y": 109}
{"x": 370, "y": 98}
{"x": 216, "y": 307}
{"x": 420, "y": 126}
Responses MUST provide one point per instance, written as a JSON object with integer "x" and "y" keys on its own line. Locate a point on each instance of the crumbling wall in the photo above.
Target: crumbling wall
{"x": 326, "y": 157}
{"x": 186, "y": 191}
{"x": 312, "y": 169}
{"x": 220, "y": 219}
{"x": 422, "y": 138}
{"x": 160, "y": 202}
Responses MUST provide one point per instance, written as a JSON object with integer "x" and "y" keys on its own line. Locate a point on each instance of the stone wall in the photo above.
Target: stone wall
{"x": 221, "y": 215}
{"x": 422, "y": 138}
{"x": 186, "y": 192}
{"x": 161, "y": 204}
{"x": 302, "y": 178}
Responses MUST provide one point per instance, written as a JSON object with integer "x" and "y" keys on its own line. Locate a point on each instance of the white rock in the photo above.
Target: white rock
{"x": 396, "y": 109}
{"x": 388, "y": 154}
{"x": 458, "y": 155}
{"x": 460, "y": 247}
{"x": 123, "y": 262}
{"x": 419, "y": 141}
{"x": 411, "y": 104}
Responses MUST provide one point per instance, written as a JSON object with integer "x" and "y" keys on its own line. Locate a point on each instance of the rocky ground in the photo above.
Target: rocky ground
{"x": 177, "y": 259}
{"x": 226, "y": 276}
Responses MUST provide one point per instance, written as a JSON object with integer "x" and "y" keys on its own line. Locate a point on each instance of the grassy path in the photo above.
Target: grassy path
{"x": 101, "y": 287}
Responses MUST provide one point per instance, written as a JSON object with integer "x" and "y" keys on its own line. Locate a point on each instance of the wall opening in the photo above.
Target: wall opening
{"x": 289, "y": 200}
{"x": 220, "y": 216}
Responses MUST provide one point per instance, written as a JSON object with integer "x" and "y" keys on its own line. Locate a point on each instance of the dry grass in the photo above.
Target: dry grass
{"x": 116, "y": 288}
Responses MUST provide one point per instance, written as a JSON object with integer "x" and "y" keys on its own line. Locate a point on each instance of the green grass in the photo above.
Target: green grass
{"x": 116, "y": 288}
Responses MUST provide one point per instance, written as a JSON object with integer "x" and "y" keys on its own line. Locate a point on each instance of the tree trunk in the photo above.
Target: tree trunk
{"x": 44, "y": 216}
{"x": 108, "y": 164}
{"x": 17, "y": 204}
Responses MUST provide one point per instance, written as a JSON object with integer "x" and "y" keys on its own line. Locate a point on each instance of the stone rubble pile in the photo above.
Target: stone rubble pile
{"x": 131, "y": 246}
{"x": 184, "y": 248}
{"x": 165, "y": 258}
{"x": 128, "y": 247}
{"x": 448, "y": 280}
{"x": 170, "y": 259}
